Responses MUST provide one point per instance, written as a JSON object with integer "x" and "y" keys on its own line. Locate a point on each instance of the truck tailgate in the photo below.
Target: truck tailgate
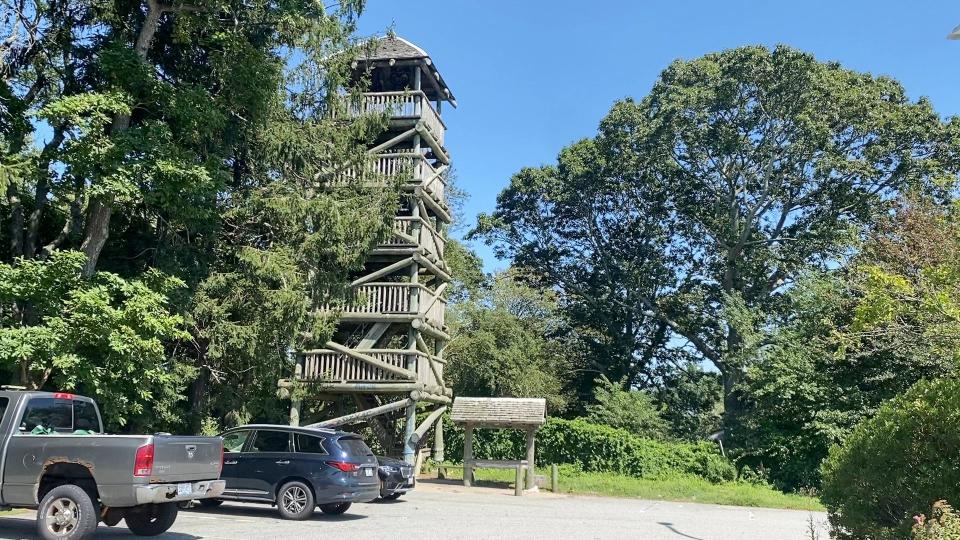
{"x": 182, "y": 459}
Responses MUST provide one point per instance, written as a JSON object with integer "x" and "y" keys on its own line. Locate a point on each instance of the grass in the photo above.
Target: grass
{"x": 679, "y": 488}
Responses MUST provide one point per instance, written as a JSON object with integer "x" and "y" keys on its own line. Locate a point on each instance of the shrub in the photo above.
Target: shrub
{"x": 895, "y": 464}
{"x": 943, "y": 524}
{"x": 598, "y": 448}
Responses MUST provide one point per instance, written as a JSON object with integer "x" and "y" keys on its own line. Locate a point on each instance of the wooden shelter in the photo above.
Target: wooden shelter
{"x": 387, "y": 352}
{"x": 526, "y": 414}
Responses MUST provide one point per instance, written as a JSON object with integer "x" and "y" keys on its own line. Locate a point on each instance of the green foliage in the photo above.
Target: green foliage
{"x": 943, "y": 524}
{"x": 691, "y": 400}
{"x": 895, "y": 464}
{"x": 103, "y": 337}
{"x": 501, "y": 345}
{"x": 597, "y": 448}
{"x": 740, "y": 171}
{"x": 194, "y": 144}
{"x": 630, "y": 410}
{"x": 861, "y": 335}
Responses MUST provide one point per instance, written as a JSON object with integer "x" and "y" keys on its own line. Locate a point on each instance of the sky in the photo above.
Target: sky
{"x": 533, "y": 76}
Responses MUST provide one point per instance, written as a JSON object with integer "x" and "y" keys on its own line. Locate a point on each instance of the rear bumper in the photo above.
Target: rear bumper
{"x": 357, "y": 494}
{"x": 164, "y": 493}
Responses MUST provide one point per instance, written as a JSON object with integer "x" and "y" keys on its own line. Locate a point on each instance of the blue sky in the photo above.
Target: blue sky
{"x": 533, "y": 76}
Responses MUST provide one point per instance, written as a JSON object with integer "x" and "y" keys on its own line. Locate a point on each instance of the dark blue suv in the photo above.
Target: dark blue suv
{"x": 297, "y": 469}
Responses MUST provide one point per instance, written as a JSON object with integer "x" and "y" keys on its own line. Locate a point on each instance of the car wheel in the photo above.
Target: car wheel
{"x": 151, "y": 519}
{"x": 335, "y": 509}
{"x": 295, "y": 501}
{"x": 392, "y": 496}
{"x": 67, "y": 513}
{"x": 210, "y": 503}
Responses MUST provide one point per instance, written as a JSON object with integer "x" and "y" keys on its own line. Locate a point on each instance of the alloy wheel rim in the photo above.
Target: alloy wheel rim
{"x": 295, "y": 499}
{"x": 62, "y": 517}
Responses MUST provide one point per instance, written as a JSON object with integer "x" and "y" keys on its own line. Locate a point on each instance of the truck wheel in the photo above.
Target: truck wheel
{"x": 335, "y": 509}
{"x": 66, "y": 513}
{"x": 151, "y": 519}
{"x": 295, "y": 501}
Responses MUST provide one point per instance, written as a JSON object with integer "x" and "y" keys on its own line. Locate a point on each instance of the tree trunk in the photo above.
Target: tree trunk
{"x": 101, "y": 208}
{"x": 97, "y": 231}
{"x": 732, "y": 406}
{"x": 16, "y": 221}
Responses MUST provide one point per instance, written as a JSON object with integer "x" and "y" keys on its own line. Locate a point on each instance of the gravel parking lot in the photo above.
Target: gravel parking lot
{"x": 450, "y": 511}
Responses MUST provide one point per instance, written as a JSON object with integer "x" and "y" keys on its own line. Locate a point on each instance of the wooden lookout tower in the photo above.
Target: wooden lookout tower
{"x": 387, "y": 352}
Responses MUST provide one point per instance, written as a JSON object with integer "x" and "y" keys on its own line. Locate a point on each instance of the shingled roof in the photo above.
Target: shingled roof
{"x": 396, "y": 48}
{"x": 500, "y": 412}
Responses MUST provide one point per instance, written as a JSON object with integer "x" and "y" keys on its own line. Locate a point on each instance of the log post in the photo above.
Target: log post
{"x": 554, "y": 478}
{"x": 531, "y": 462}
{"x": 295, "y": 402}
{"x": 467, "y": 455}
{"x": 518, "y": 484}
{"x": 438, "y": 441}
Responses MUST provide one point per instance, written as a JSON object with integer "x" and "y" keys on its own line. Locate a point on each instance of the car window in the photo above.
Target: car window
{"x": 85, "y": 416}
{"x": 3, "y": 407}
{"x": 233, "y": 442}
{"x": 47, "y": 415}
{"x": 271, "y": 441}
{"x": 308, "y": 444}
{"x": 354, "y": 446}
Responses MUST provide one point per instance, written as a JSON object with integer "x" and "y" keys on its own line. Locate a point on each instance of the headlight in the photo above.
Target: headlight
{"x": 388, "y": 468}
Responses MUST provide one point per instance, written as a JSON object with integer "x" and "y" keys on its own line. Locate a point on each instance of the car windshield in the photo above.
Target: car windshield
{"x": 354, "y": 446}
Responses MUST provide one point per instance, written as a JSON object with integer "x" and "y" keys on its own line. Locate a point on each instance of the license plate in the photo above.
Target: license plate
{"x": 368, "y": 471}
{"x": 184, "y": 490}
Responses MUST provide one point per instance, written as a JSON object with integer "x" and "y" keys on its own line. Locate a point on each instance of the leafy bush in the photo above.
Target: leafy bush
{"x": 631, "y": 410}
{"x": 596, "y": 448}
{"x": 943, "y": 524}
{"x": 895, "y": 464}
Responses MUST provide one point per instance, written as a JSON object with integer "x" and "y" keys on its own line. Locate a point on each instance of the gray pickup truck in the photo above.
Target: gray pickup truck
{"x": 54, "y": 457}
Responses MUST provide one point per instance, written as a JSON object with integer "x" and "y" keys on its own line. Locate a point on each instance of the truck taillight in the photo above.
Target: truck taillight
{"x": 62, "y": 395}
{"x": 222, "y": 457}
{"x": 344, "y": 466}
{"x": 143, "y": 464}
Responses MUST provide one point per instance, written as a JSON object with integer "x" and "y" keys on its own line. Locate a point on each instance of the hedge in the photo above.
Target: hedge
{"x": 597, "y": 448}
{"x": 894, "y": 465}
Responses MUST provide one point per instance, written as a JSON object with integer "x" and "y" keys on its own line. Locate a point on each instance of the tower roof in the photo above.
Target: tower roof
{"x": 394, "y": 50}
{"x": 395, "y": 47}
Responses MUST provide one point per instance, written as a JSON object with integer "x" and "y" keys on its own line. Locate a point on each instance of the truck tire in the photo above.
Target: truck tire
{"x": 295, "y": 501}
{"x": 151, "y": 519}
{"x": 335, "y": 509}
{"x": 67, "y": 513}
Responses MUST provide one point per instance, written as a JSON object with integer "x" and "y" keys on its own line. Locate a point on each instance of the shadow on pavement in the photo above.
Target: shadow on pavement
{"x": 15, "y": 528}
{"x": 262, "y": 511}
{"x": 389, "y": 501}
{"x": 676, "y": 532}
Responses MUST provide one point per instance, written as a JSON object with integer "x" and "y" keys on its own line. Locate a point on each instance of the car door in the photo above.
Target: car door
{"x": 267, "y": 461}
{"x": 233, "y": 445}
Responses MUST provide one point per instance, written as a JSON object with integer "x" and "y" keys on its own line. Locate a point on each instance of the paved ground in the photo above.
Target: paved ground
{"x": 447, "y": 511}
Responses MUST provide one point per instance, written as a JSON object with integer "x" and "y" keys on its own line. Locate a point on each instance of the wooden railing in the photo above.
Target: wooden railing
{"x": 326, "y": 365}
{"x": 332, "y": 366}
{"x": 429, "y": 238}
{"x": 409, "y": 168}
{"x": 402, "y": 105}
{"x": 393, "y": 299}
